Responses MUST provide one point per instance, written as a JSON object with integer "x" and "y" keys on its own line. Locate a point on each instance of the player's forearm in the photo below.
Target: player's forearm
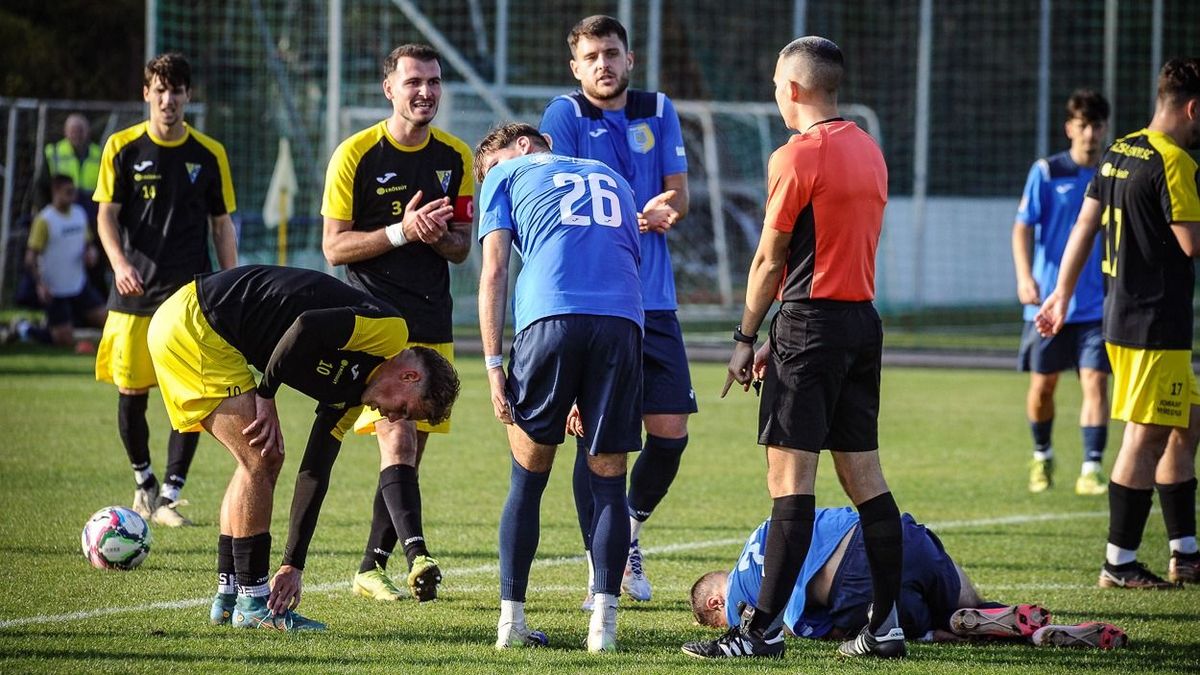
{"x": 455, "y": 245}
{"x": 765, "y": 274}
{"x": 493, "y": 292}
{"x": 1022, "y": 246}
{"x": 342, "y": 245}
{"x": 110, "y": 236}
{"x": 312, "y": 483}
{"x": 682, "y": 199}
{"x": 224, "y": 236}
{"x": 1079, "y": 246}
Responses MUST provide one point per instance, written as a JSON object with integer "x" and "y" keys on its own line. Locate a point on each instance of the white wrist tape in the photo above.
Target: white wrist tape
{"x": 494, "y": 361}
{"x": 395, "y": 234}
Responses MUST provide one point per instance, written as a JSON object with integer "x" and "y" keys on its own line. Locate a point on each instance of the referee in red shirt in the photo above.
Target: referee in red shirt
{"x": 827, "y": 188}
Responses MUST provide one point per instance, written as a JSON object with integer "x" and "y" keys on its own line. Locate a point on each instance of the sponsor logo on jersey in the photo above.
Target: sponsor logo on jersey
{"x": 444, "y": 179}
{"x": 641, "y": 138}
{"x": 385, "y": 177}
{"x": 143, "y": 165}
{"x": 193, "y": 171}
{"x": 390, "y": 188}
{"x": 140, "y": 177}
{"x": 680, "y": 152}
{"x": 1110, "y": 171}
{"x": 597, "y": 133}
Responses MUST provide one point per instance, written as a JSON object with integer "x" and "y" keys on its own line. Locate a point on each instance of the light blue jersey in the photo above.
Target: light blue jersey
{"x": 745, "y": 579}
{"x": 642, "y": 142}
{"x": 1053, "y": 196}
{"x": 574, "y": 224}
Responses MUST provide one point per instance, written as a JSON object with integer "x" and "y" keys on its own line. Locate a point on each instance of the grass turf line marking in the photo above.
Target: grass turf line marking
{"x": 551, "y": 562}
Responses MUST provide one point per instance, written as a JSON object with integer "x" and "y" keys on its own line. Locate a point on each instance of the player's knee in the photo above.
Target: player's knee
{"x": 607, "y": 465}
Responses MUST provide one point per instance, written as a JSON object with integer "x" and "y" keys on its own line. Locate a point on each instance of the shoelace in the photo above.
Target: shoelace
{"x": 635, "y": 561}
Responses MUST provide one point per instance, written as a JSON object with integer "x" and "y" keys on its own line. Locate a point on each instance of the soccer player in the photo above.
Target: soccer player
{"x": 1053, "y": 194}
{"x": 163, "y": 188}
{"x": 826, "y": 190}
{"x": 1144, "y": 198}
{"x": 297, "y": 327}
{"x": 636, "y": 133}
{"x": 833, "y": 592}
{"x": 398, "y": 207}
{"x": 577, "y": 315}
{"x": 59, "y": 251}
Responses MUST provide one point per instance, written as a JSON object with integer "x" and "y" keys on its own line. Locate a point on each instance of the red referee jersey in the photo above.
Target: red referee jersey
{"x": 828, "y": 186}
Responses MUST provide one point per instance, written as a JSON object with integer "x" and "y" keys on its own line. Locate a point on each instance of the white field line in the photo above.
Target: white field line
{"x": 493, "y": 568}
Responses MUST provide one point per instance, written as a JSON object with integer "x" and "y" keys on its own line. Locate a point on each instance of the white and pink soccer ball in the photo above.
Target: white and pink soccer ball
{"x": 116, "y": 538}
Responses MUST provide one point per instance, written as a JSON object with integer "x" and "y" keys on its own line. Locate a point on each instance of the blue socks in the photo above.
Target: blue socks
{"x": 1041, "y": 434}
{"x": 520, "y": 525}
{"x": 581, "y": 489}
{"x": 610, "y": 532}
{"x": 653, "y": 473}
{"x": 1094, "y": 440}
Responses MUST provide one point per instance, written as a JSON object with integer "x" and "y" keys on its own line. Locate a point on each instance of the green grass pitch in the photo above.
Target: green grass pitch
{"x": 955, "y": 447}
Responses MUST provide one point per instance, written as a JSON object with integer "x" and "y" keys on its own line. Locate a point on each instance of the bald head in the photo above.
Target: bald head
{"x": 814, "y": 63}
{"x": 76, "y": 130}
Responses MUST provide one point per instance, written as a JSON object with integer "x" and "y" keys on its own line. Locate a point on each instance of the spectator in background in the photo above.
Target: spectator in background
{"x": 59, "y": 251}
{"x": 77, "y": 157}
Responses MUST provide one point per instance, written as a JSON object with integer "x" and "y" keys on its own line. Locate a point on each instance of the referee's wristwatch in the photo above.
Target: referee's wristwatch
{"x": 739, "y": 336}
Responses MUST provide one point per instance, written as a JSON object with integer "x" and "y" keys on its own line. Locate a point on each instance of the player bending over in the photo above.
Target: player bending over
{"x": 300, "y": 328}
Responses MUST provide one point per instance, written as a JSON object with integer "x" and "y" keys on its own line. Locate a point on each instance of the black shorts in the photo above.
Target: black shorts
{"x": 595, "y": 361}
{"x": 666, "y": 381}
{"x": 71, "y": 310}
{"x": 821, "y": 389}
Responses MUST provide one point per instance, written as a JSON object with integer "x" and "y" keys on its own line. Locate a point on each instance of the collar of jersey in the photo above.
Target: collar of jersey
{"x": 187, "y": 131}
{"x": 405, "y": 148}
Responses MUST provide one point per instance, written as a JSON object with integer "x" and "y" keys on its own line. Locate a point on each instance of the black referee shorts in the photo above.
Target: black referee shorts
{"x": 821, "y": 389}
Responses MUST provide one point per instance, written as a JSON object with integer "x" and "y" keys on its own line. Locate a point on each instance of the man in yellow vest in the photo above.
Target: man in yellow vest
{"x": 78, "y": 158}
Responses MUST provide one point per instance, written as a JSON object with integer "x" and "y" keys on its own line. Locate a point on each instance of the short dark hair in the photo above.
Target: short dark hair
{"x": 699, "y": 594}
{"x": 503, "y": 136}
{"x": 1087, "y": 104}
{"x": 441, "y": 384}
{"x": 420, "y": 52}
{"x": 58, "y": 180}
{"x": 823, "y": 58}
{"x": 597, "y": 26}
{"x": 172, "y": 68}
{"x": 1179, "y": 80}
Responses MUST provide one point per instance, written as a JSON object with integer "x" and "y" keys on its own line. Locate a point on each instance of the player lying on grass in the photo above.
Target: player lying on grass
{"x": 304, "y": 329}
{"x": 833, "y": 592}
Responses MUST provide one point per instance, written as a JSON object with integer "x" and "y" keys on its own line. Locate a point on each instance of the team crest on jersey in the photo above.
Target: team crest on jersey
{"x": 444, "y": 179}
{"x": 193, "y": 170}
{"x": 641, "y": 139}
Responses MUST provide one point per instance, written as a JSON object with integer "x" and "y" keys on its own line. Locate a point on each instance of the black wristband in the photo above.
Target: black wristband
{"x": 739, "y": 336}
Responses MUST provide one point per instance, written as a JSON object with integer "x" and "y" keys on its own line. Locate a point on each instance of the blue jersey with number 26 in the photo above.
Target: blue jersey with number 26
{"x": 574, "y": 223}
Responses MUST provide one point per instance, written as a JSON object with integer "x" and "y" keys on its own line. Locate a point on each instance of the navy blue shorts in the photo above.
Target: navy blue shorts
{"x": 595, "y": 361}
{"x": 929, "y": 584}
{"x": 68, "y": 311}
{"x": 1077, "y": 345}
{"x": 821, "y": 390}
{"x": 666, "y": 380}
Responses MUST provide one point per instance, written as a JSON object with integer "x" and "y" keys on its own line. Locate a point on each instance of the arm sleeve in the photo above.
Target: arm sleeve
{"x": 106, "y": 179}
{"x": 1029, "y": 211}
{"x": 222, "y": 200}
{"x": 558, "y": 122}
{"x": 338, "y": 200}
{"x": 464, "y": 200}
{"x": 674, "y": 155}
{"x": 495, "y": 207}
{"x": 39, "y": 234}
{"x": 1181, "y": 198}
{"x": 787, "y": 191}
{"x": 312, "y": 482}
{"x": 313, "y": 332}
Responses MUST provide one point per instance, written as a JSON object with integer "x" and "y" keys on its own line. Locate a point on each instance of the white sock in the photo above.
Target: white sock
{"x": 1043, "y": 455}
{"x": 591, "y": 573}
{"x": 604, "y": 600}
{"x": 635, "y": 529}
{"x": 1115, "y": 555}
{"x": 512, "y": 611}
{"x": 259, "y": 591}
{"x": 1089, "y": 467}
{"x": 170, "y": 492}
{"x": 1184, "y": 545}
{"x": 226, "y": 589}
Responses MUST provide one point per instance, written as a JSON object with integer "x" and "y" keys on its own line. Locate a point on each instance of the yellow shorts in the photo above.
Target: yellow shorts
{"x": 122, "y": 357}
{"x": 1152, "y": 386}
{"x": 365, "y": 424}
{"x": 197, "y": 368}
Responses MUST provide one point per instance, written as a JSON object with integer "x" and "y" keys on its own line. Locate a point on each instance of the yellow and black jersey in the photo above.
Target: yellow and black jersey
{"x": 1146, "y": 182}
{"x": 370, "y": 180}
{"x": 302, "y": 328}
{"x": 167, "y": 191}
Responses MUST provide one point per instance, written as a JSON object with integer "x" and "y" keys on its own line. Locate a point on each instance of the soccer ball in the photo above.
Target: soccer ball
{"x": 116, "y": 538}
